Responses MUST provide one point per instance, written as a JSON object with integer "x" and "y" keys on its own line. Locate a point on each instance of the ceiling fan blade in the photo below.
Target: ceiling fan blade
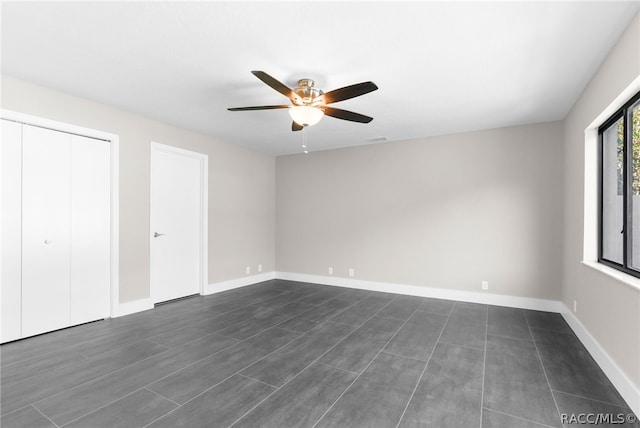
{"x": 276, "y": 84}
{"x": 257, "y": 108}
{"x": 346, "y": 115}
{"x": 295, "y": 126}
{"x": 347, "y": 92}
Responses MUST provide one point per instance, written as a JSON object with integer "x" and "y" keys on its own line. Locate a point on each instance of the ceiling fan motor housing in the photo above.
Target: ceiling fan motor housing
{"x": 309, "y": 95}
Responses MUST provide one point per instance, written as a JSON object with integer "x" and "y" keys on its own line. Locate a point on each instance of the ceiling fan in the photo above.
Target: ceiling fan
{"x": 309, "y": 103}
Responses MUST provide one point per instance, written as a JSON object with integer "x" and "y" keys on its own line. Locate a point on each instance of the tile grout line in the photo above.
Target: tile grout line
{"x": 341, "y": 323}
{"x": 90, "y": 380}
{"x": 252, "y": 319}
{"x": 262, "y": 300}
{"x": 591, "y": 399}
{"x": 255, "y": 380}
{"x": 206, "y": 319}
{"x": 518, "y": 417}
{"x": 555, "y": 402}
{"x": 133, "y": 363}
{"x": 48, "y": 370}
{"x": 160, "y": 395}
{"x": 350, "y": 306}
{"x": 125, "y": 328}
{"x": 149, "y": 335}
{"x": 309, "y": 365}
{"x": 37, "y": 351}
{"x": 101, "y": 407}
{"x": 166, "y": 414}
{"x": 4, "y": 415}
{"x": 424, "y": 369}
{"x": 484, "y": 366}
{"x": 336, "y": 368}
{"x": 38, "y": 410}
{"x": 510, "y": 337}
{"x": 85, "y": 360}
{"x": 474, "y": 348}
{"x": 300, "y": 315}
{"x": 288, "y": 381}
{"x": 216, "y": 332}
{"x": 301, "y": 333}
{"x": 317, "y": 304}
{"x": 230, "y": 376}
{"x": 330, "y": 319}
{"x": 396, "y": 319}
{"x": 367, "y": 366}
{"x": 363, "y": 322}
{"x": 215, "y": 385}
{"x": 148, "y": 358}
{"x": 332, "y": 316}
{"x": 404, "y": 356}
{"x": 239, "y": 341}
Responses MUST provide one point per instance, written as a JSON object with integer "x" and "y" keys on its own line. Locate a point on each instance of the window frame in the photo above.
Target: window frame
{"x": 623, "y": 112}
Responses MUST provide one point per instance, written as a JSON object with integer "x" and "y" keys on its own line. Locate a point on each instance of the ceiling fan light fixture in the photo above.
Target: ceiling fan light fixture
{"x": 306, "y": 115}
{"x": 310, "y": 103}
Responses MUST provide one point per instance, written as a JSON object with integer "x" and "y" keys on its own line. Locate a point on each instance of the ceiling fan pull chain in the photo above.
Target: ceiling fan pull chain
{"x": 304, "y": 140}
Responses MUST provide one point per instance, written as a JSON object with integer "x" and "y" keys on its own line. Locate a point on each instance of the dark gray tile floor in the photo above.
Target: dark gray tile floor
{"x": 288, "y": 354}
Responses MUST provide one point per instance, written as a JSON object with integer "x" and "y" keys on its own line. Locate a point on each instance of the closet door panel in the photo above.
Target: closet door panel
{"x": 11, "y": 239}
{"x": 90, "y": 229}
{"x": 46, "y": 193}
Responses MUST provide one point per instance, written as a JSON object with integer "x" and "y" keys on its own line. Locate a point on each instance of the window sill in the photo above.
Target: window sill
{"x": 622, "y": 277}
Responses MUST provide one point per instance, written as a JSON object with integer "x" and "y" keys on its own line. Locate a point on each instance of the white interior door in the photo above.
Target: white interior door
{"x": 46, "y": 230}
{"x": 177, "y": 246}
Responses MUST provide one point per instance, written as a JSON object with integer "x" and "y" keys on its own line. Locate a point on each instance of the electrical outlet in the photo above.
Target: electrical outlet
{"x": 259, "y": 268}
{"x": 330, "y": 271}
{"x": 485, "y": 285}
{"x": 575, "y": 306}
{"x": 248, "y": 270}
{"x": 352, "y": 272}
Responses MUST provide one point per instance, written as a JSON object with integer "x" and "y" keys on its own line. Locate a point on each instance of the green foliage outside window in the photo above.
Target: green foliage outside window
{"x": 635, "y": 161}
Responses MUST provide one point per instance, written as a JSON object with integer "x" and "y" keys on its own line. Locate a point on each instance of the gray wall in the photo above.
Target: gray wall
{"x": 609, "y": 309}
{"x": 241, "y": 185}
{"x": 446, "y": 211}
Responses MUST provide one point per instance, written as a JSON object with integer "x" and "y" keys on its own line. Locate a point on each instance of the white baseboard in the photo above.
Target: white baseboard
{"x": 623, "y": 384}
{"x": 437, "y": 293}
{"x": 128, "y": 308}
{"x": 217, "y": 287}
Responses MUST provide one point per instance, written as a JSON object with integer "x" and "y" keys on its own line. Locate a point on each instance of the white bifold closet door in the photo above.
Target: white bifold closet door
{"x": 46, "y": 230}
{"x": 10, "y": 241}
{"x": 90, "y": 229}
{"x": 65, "y": 230}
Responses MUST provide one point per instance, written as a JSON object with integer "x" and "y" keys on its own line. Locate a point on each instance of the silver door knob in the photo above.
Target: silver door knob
{"x": 156, "y": 234}
{"x": 48, "y": 242}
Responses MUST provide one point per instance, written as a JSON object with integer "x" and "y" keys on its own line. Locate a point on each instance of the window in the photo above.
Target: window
{"x": 619, "y": 222}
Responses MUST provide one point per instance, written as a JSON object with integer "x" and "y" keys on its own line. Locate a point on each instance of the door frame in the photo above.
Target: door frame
{"x": 203, "y": 241}
{"x": 114, "y": 141}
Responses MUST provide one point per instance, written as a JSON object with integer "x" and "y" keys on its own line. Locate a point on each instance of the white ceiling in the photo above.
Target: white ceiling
{"x": 442, "y": 67}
